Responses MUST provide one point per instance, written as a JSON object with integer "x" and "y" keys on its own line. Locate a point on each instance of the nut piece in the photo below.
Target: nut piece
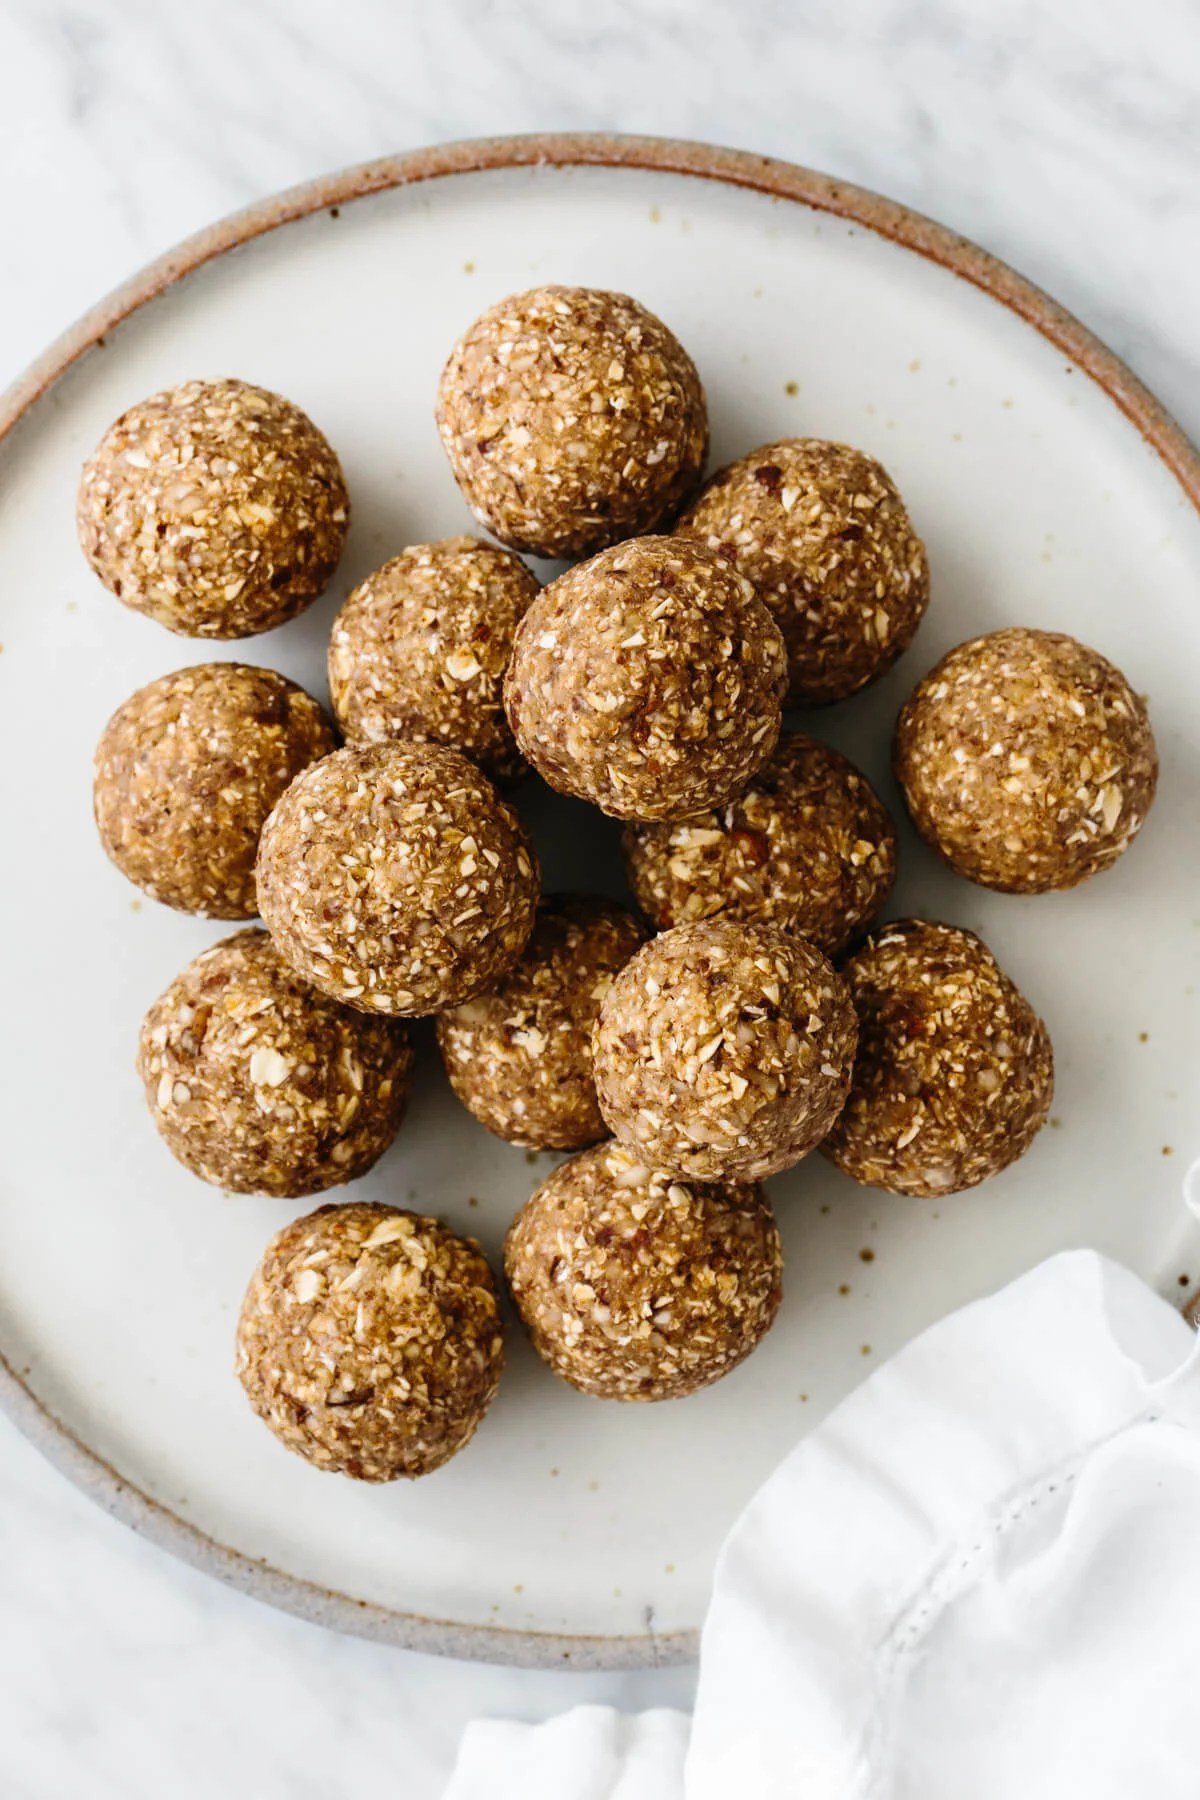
{"x": 520, "y": 1056}
{"x": 822, "y": 533}
{"x": 216, "y": 508}
{"x": 635, "y": 1286}
{"x": 808, "y": 846}
{"x": 187, "y": 771}
{"x": 370, "y": 1341}
{"x": 1027, "y": 761}
{"x": 394, "y": 878}
{"x": 648, "y": 680}
{"x": 723, "y": 1051}
{"x": 262, "y": 1086}
{"x": 420, "y": 648}
{"x": 572, "y": 418}
{"x": 954, "y": 1074}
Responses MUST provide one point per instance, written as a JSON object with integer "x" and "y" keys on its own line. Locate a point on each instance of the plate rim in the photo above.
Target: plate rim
{"x": 782, "y": 180}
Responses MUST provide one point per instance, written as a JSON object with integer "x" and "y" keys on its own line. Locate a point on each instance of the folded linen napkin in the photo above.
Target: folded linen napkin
{"x": 977, "y": 1579}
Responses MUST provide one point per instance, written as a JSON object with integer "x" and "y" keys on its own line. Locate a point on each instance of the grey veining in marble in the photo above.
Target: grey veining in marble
{"x": 1065, "y": 137}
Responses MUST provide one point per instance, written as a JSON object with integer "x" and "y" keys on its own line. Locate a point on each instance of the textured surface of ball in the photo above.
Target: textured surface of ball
{"x": 648, "y": 681}
{"x": 263, "y": 1086}
{"x": 420, "y": 648}
{"x": 395, "y": 879}
{"x": 807, "y": 846}
{"x": 823, "y": 534}
{"x": 520, "y": 1056}
{"x": 954, "y": 1074}
{"x": 216, "y": 508}
{"x": 186, "y": 773}
{"x": 1027, "y": 761}
{"x": 370, "y": 1341}
{"x": 572, "y": 418}
{"x": 723, "y": 1052}
{"x": 633, "y": 1285}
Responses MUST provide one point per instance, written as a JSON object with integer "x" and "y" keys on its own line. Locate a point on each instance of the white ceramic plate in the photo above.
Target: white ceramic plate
{"x": 1050, "y": 490}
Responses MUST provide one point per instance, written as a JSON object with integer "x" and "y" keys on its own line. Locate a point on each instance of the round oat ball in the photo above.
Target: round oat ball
{"x": 187, "y": 771}
{"x": 420, "y": 648}
{"x": 633, "y": 1285}
{"x": 1026, "y": 760}
{"x": 807, "y": 846}
{"x": 520, "y": 1056}
{"x": 822, "y": 532}
{"x": 370, "y": 1341}
{"x": 216, "y": 508}
{"x": 954, "y": 1074}
{"x": 262, "y": 1086}
{"x": 723, "y": 1051}
{"x": 572, "y": 418}
{"x": 394, "y": 878}
{"x": 648, "y": 680}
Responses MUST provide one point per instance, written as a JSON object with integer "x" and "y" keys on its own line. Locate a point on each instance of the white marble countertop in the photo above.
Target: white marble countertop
{"x": 1062, "y": 138}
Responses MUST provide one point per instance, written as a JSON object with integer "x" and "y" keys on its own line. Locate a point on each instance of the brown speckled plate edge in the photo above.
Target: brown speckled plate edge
{"x": 785, "y": 181}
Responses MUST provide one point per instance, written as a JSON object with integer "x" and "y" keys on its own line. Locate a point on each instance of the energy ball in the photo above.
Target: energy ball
{"x": 262, "y": 1086}
{"x": 394, "y": 878}
{"x": 1027, "y": 761}
{"x": 216, "y": 508}
{"x": 822, "y": 532}
{"x": 572, "y": 418}
{"x": 520, "y": 1056}
{"x": 648, "y": 680}
{"x": 370, "y": 1341}
{"x": 723, "y": 1051}
{"x": 187, "y": 771}
{"x": 807, "y": 846}
{"x": 955, "y": 1072}
{"x": 635, "y": 1286}
{"x": 420, "y": 648}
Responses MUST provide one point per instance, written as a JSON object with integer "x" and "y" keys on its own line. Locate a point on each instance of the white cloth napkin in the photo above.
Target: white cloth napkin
{"x": 978, "y": 1579}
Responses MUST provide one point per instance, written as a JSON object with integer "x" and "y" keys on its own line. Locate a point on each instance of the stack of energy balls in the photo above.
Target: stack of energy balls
{"x": 740, "y": 1018}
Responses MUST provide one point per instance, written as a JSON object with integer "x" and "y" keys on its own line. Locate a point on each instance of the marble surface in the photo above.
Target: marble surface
{"x": 1063, "y": 138}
